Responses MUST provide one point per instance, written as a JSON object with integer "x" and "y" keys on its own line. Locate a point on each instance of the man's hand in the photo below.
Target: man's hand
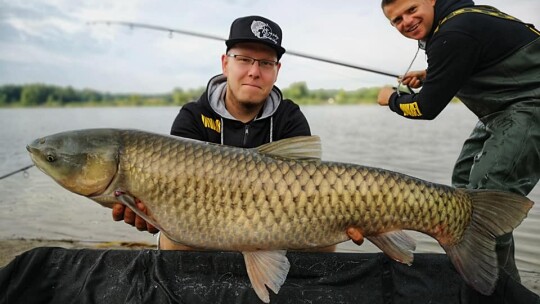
{"x": 121, "y": 212}
{"x": 414, "y": 79}
{"x": 384, "y": 95}
{"x": 356, "y": 235}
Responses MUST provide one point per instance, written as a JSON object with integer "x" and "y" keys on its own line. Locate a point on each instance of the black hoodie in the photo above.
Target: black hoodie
{"x": 462, "y": 47}
{"x": 208, "y": 120}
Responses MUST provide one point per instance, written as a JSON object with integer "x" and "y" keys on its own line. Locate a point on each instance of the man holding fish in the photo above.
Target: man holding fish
{"x": 240, "y": 107}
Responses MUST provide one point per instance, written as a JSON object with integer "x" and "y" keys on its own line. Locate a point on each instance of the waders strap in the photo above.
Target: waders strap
{"x": 487, "y": 10}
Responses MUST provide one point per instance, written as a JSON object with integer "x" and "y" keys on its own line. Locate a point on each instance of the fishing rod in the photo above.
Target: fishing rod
{"x": 207, "y": 36}
{"x": 17, "y": 171}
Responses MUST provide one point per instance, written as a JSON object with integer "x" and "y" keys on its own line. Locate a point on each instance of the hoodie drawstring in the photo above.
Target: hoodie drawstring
{"x": 222, "y": 128}
{"x": 271, "y": 127}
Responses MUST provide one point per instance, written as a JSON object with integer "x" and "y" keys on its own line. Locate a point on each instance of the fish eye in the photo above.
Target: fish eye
{"x": 50, "y": 157}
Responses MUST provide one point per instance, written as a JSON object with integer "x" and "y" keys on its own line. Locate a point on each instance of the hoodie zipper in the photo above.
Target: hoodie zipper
{"x": 246, "y": 133}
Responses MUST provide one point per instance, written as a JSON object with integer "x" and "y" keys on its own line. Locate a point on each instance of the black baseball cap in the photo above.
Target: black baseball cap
{"x": 256, "y": 29}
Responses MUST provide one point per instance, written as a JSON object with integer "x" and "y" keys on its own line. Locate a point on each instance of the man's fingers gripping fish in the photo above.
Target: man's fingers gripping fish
{"x": 278, "y": 197}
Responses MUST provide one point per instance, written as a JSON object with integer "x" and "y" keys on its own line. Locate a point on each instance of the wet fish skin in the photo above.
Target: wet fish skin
{"x": 279, "y": 196}
{"x": 286, "y": 203}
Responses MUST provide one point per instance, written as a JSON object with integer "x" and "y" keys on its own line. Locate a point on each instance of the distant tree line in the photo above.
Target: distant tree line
{"x": 300, "y": 93}
{"x": 43, "y": 95}
{"x": 37, "y": 95}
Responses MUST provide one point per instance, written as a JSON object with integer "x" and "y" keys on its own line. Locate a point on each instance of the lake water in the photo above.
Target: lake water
{"x": 33, "y": 206}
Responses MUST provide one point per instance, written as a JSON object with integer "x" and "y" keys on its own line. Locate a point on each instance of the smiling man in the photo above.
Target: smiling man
{"x": 413, "y": 19}
{"x": 491, "y": 62}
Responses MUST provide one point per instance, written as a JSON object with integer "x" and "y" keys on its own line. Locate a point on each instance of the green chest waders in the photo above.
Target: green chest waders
{"x": 503, "y": 150}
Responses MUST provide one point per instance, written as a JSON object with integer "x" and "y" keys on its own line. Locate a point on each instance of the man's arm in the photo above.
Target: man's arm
{"x": 452, "y": 59}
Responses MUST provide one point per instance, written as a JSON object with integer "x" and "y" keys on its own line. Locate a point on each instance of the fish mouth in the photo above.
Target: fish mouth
{"x": 32, "y": 152}
{"x": 34, "y": 146}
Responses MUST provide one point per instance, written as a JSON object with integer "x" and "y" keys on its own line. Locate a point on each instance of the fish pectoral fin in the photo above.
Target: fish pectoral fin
{"x": 268, "y": 268}
{"x": 129, "y": 201}
{"x": 396, "y": 244}
{"x": 106, "y": 201}
{"x": 298, "y": 148}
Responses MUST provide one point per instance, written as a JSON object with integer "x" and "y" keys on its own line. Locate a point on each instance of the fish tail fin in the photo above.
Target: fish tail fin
{"x": 494, "y": 214}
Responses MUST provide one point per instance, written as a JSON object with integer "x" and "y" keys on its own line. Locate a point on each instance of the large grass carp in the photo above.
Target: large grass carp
{"x": 278, "y": 197}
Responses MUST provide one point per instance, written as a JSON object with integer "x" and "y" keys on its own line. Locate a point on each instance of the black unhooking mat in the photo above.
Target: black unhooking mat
{"x": 57, "y": 275}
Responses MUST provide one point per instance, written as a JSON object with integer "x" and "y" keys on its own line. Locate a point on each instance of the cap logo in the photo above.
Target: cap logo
{"x": 263, "y": 31}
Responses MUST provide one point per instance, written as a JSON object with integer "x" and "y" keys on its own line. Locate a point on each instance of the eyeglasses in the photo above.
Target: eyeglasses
{"x": 264, "y": 64}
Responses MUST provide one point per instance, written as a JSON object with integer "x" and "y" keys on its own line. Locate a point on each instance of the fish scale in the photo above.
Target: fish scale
{"x": 317, "y": 197}
{"x": 277, "y": 197}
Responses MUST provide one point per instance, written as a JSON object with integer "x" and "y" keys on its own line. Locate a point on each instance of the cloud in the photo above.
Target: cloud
{"x": 50, "y": 40}
{"x": 31, "y": 54}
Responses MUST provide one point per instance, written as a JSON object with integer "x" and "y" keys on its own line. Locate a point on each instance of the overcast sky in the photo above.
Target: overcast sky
{"x": 49, "y": 41}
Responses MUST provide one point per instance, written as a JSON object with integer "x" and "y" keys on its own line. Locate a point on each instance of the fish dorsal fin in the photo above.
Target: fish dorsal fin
{"x": 266, "y": 268}
{"x": 396, "y": 244}
{"x": 298, "y": 148}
